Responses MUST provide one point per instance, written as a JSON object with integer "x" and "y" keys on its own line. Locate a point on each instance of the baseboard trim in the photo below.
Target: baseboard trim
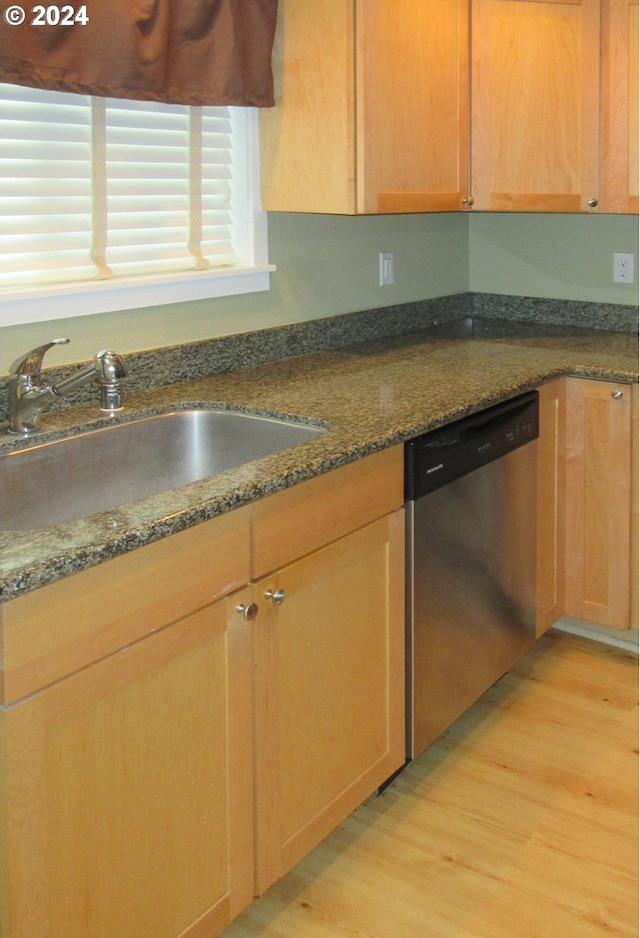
{"x": 600, "y": 633}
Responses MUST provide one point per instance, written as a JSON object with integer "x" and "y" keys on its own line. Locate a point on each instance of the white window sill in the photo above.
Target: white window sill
{"x": 105, "y": 296}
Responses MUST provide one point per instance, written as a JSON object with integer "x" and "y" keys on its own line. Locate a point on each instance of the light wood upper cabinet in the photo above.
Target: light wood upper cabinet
{"x": 371, "y": 107}
{"x": 535, "y": 105}
{"x": 412, "y": 93}
{"x": 620, "y": 106}
{"x": 329, "y": 690}
{"x": 444, "y": 105}
{"x": 598, "y": 501}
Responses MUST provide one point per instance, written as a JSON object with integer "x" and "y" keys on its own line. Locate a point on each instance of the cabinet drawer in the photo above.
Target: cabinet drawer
{"x": 60, "y": 628}
{"x": 292, "y": 523}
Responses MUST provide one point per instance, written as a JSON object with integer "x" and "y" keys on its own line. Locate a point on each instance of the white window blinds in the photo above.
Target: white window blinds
{"x": 45, "y": 187}
{"x": 105, "y": 189}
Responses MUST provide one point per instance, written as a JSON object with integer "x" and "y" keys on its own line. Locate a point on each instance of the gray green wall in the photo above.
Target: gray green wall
{"x": 567, "y": 257}
{"x": 328, "y": 265}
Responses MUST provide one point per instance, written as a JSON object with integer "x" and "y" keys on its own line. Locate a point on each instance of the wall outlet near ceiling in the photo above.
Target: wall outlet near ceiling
{"x": 623, "y": 268}
{"x": 386, "y": 268}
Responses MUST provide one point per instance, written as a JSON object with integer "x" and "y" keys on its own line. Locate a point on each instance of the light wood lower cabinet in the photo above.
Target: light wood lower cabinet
{"x": 52, "y": 632}
{"x": 587, "y": 503}
{"x": 635, "y": 527}
{"x": 128, "y": 793}
{"x": 598, "y": 501}
{"x": 135, "y": 694}
{"x": 329, "y": 689}
{"x": 551, "y": 500}
{"x": 126, "y": 786}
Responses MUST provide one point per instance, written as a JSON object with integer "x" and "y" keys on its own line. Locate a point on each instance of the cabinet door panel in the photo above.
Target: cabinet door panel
{"x": 413, "y": 94}
{"x": 371, "y": 107}
{"x": 535, "y": 94}
{"x": 330, "y": 690}
{"x": 598, "y": 501}
{"x": 127, "y": 790}
{"x": 620, "y": 106}
{"x": 308, "y": 140}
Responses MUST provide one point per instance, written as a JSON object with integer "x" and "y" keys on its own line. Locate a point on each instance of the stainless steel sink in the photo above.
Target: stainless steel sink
{"x": 99, "y": 470}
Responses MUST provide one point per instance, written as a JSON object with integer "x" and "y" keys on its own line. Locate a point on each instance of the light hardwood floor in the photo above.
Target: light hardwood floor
{"x": 521, "y": 822}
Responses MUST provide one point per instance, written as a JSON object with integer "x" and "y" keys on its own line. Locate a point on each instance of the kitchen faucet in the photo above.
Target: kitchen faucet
{"x": 29, "y": 395}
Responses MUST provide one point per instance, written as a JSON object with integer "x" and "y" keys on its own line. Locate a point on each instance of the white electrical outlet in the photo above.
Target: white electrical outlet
{"x": 386, "y": 268}
{"x": 623, "y": 268}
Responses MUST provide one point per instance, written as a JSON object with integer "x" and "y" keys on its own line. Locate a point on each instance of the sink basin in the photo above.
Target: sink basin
{"x": 99, "y": 470}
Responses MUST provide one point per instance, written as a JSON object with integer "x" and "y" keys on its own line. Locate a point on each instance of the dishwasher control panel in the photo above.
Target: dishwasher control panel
{"x": 445, "y": 454}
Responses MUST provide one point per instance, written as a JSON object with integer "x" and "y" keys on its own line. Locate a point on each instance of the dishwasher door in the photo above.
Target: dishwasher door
{"x": 471, "y": 577}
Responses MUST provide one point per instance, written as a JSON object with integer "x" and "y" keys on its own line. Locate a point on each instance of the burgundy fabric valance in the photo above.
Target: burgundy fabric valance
{"x": 196, "y": 52}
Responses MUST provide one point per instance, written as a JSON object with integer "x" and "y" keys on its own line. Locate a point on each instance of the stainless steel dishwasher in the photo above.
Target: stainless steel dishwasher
{"x": 471, "y": 560}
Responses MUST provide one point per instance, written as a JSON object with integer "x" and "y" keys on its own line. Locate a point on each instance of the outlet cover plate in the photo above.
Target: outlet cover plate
{"x": 623, "y": 271}
{"x": 386, "y": 268}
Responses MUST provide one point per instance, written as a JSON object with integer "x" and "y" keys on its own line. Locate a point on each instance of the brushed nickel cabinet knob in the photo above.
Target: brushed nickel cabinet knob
{"x": 276, "y": 597}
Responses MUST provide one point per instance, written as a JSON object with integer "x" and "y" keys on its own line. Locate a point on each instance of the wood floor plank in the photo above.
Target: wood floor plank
{"x": 520, "y": 822}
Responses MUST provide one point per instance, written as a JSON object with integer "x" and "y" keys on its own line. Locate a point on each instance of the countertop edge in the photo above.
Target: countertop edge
{"x": 71, "y": 557}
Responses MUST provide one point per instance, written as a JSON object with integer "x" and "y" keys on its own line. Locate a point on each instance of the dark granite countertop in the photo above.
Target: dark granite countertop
{"x": 369, "y": 396}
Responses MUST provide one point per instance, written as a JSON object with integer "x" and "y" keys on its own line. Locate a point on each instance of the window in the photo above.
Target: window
{"x": 112, "y": 204}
